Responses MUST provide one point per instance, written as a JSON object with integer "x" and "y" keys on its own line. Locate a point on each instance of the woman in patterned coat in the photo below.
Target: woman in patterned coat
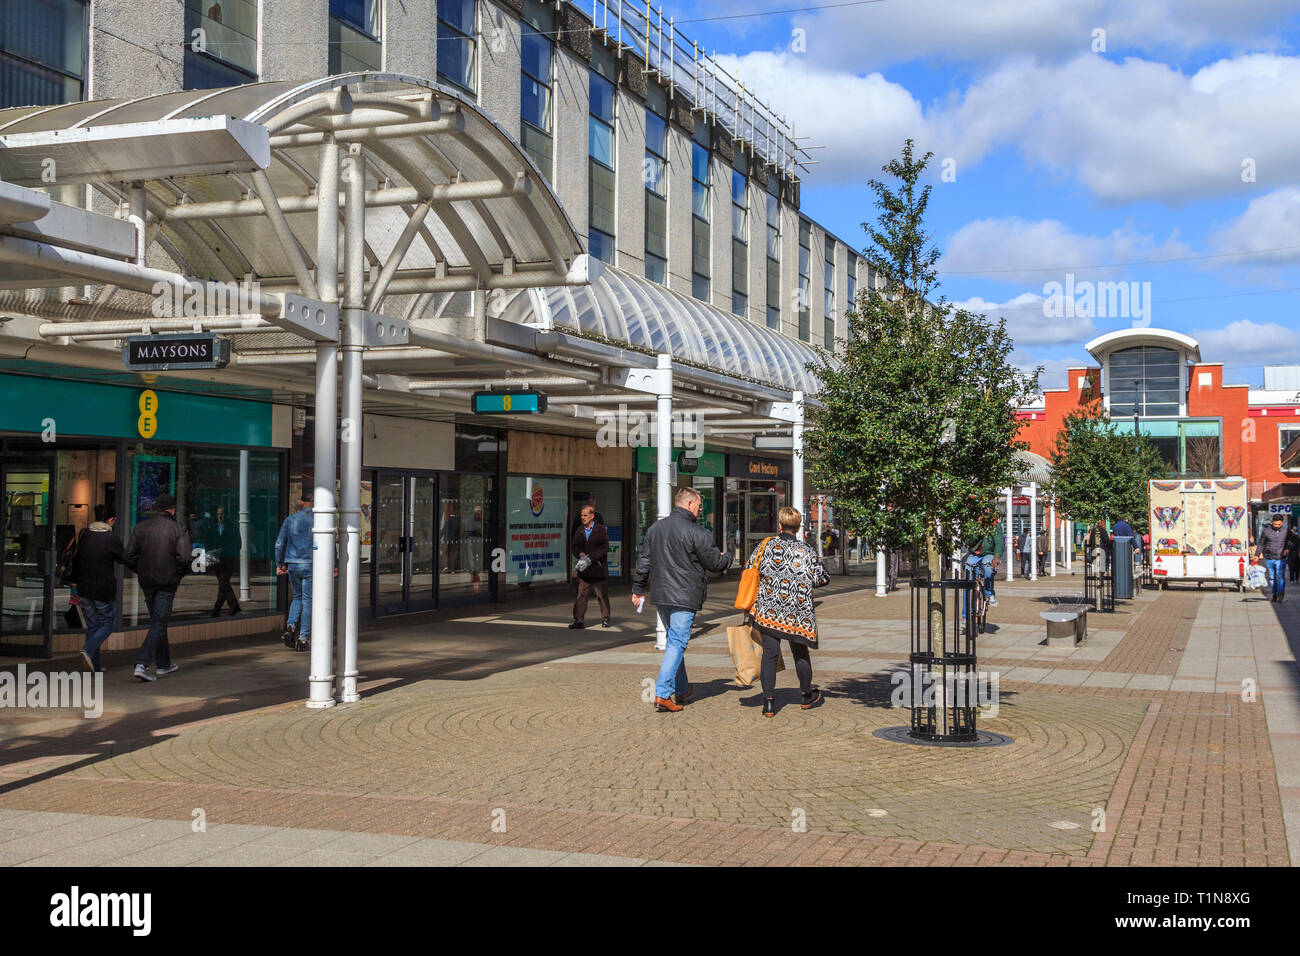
{"x": 788, "y": 570}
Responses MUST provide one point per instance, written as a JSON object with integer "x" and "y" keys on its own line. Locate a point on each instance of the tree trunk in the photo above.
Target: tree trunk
{"x": 937, "y": 622}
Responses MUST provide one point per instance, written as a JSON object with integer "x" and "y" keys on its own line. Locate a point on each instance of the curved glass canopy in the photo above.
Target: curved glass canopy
{"x": 631, "y": 310}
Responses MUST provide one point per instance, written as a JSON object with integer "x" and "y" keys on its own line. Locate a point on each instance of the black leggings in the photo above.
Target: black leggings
{"x": 802, "y": 663}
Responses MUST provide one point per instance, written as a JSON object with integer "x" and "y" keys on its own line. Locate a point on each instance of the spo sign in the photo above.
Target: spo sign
{"x": 517, "y": 402}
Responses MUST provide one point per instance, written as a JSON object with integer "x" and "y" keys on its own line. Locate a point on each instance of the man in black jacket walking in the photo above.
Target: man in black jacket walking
{"x": 99, "y": 550}
{"x": 159, "y": 554}
{"x": 677, "y": 553}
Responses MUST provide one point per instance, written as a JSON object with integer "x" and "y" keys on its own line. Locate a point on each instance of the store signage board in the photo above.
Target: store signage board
{"x": 187, "y": 350}
{"x": 512, "y": 402}
{"x": 773, "y": 443}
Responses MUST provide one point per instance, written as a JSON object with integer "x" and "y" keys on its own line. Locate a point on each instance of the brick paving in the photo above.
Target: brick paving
{"x": 501, "y": 713}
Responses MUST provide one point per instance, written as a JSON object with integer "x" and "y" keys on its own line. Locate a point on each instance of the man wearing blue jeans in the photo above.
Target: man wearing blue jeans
{"x": 1274, "y": 549}
{"x": 99, "y": 551}
{"x": 293, "y": 549}
{"x": 159, "y": 554}
{"x": 675, "y": 557}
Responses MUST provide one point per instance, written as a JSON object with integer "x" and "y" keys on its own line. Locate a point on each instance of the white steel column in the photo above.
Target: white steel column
{"x": 1033, "y": 531}
{"x": 664, "y": 460}
{"x": 243, "y": 525}
{"x": 796, "y": 462}
{"x": 881, "y": 585}
{"x": 1068, "y": 531}
{"x": 321, "y": 678}
{"x": 137, "y": 215}
{"x": 352, "y": 333}
{"x": 821, "y": 502}
{"x": 1053, "y": 540}
{"x": 1010, "y": 538}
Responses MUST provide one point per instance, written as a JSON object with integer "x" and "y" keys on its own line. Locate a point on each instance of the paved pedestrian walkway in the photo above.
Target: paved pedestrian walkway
{"x": 500, "y": 729}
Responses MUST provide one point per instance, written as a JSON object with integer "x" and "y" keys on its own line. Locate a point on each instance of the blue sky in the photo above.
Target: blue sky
{"x": 1179, "y": 140}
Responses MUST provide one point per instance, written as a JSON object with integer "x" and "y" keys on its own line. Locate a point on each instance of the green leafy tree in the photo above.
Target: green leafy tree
{"x": 915, "y": 432}
{"x": 1101, "y": 474}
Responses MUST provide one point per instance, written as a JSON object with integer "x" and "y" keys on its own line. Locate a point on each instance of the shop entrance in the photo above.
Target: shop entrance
{"x": 431, "y": 535}
{"x": 27, "y": 587}
{"x": 404, "y": 570}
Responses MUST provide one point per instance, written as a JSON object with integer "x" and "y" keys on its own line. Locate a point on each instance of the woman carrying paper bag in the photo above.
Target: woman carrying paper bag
{"x": 787, "y": 571}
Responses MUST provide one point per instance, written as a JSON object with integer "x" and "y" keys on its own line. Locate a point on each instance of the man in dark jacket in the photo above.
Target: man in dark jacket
{"x": 99, "y": 550}
{"x": 224, "y": 552}
{"x": 675, "y": 556}
{"x": 1274, "y": 549}
{"x": 159, "y": 554}
{"x": 590, "y": 544}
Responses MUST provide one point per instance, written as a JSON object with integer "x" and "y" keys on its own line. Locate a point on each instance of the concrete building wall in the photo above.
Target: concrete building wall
{"x": 571, "y": 106}
{"x": 410, "y": 36}
{"x": 720, "y": 236}
{"x": 136, "y": 49}
{"x": 679, "y": 211}
{"x": 790, "y": 271}
{"x": 629, "y": 151}
{"x": 499, "y": 66}
{"x": 281, "y": 52}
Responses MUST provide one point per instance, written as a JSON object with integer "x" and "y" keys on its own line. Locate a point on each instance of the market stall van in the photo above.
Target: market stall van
{"x": 1199, "y": 530}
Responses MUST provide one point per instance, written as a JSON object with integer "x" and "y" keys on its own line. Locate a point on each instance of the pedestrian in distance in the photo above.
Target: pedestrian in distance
{"x": 1026, "y": 551}
{"x": 225, "y": 556}
{"x": 590, "y": 543}
{"x": 984, "y": 554}
{"x": 1293, "y": 554}
{"x": 1042, "y": 546}
{"x": 99, "y": 551}
{"x": 293, "y": 551}
{"x": 1274, "y": 549}
{"x": 159, "y": 554}
{"x": 675, "y": 557}
{"x": 788, "y": 570}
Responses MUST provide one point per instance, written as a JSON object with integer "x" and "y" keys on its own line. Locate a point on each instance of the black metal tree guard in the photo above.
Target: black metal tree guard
{"x": 944, "y": 673}
{"x": 1099, "y": 588}
{"x": 943, "y": 660}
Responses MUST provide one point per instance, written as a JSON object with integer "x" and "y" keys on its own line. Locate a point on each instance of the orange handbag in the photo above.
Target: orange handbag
{"x": 747, "y": 593}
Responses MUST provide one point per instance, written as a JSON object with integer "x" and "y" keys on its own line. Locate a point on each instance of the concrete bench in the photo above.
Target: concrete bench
{"x": 1066, "y": 626}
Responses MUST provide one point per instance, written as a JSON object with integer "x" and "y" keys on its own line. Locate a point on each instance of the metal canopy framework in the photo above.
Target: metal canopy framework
{"x": 631, "y": 310}
{"x": 230, "y": 182}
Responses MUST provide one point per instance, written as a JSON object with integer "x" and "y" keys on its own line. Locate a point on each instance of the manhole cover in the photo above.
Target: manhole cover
{"x": 903, "y": 735}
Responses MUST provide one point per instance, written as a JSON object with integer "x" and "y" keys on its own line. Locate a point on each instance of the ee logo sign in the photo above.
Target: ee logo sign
{"x": 147, "y": 424}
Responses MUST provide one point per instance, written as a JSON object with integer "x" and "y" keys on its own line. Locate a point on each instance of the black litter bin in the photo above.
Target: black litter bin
{"x": 1123, "y": 568}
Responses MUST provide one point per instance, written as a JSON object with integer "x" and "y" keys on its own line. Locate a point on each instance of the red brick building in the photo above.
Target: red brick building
{"x": 1201, "y": 424}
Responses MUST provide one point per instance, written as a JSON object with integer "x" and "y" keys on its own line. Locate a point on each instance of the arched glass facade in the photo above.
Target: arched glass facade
{"x": 1147, "y": 375}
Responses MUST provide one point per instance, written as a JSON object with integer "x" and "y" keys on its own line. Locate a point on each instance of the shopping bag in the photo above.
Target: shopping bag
{"x": 1256, "y": 577}
{"x": 747, "y": 591}
{"x": 746, "y": 646}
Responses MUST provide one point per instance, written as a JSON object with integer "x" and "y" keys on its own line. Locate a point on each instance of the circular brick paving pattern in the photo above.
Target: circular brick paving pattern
{"x": 580, "y": 737}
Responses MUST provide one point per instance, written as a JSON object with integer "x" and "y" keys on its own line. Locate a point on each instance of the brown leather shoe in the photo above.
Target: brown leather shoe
{"x": 666, "y": 706}
{"x": 683, "y": 698}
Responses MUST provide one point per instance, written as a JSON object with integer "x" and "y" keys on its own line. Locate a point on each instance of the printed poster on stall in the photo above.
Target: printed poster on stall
{"x": 615, "y": 558}
{"x": 537, "y": 509}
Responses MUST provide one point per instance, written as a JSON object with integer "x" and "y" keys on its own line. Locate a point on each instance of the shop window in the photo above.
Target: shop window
{"x": 206, "y": 485}
{"x": 656, "y": 185}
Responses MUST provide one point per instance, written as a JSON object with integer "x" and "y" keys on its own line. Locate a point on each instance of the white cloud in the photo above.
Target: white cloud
{"x": 1046, "y": 249}
{"x": 1244, "y": 343}
{"x": 1027, "y": 324}
{"x": 1054, "y": 370}
{"x": 1128, "y": 131}
{"x": 1051, "y": 30}
{"x": 1268, "y": 227}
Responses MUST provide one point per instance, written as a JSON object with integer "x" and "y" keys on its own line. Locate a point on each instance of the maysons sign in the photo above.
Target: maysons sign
{"x": 161, "y": 353}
